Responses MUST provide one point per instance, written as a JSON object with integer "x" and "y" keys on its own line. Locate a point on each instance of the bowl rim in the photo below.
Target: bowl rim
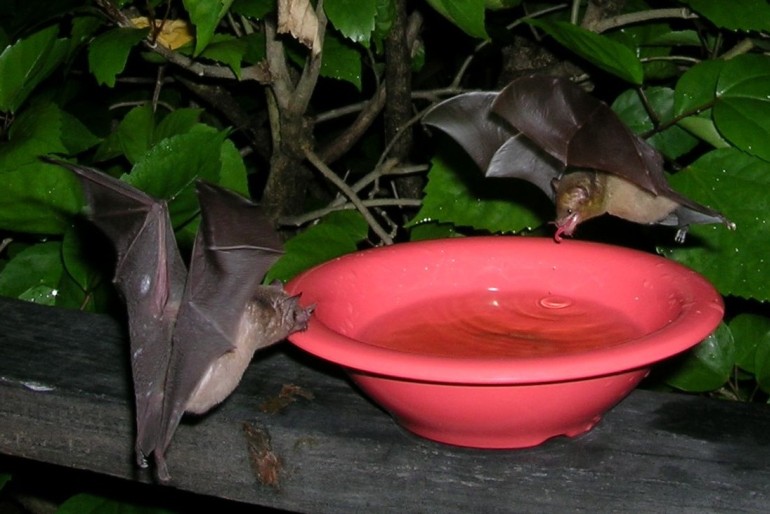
{"x": 696, "y": 320}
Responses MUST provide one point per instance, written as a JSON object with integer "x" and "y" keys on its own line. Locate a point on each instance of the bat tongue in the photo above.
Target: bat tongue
{"x": 566, "y": 226}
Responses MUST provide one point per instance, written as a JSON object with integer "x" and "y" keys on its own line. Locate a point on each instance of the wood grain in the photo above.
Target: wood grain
{"x": 65, "y": 399}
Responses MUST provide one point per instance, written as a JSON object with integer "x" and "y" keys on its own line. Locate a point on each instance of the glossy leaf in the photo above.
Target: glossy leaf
{"x": 336, "y": 234}
{"x": 736, "y": 184}
{"x": 599, "y": 50}
{"x": 707, "y": 366}
{"x": 38, "y": 198}
{"x": 108, "y": 53}
{"x": 341, "y": 61}
{"x": 702, "y": 126}
{"x": 205, "y": 15}
{"x": 734, "y": 15}
{"x": 135, "y": 133}
{"x": 256, "y": 9}
{"x": 468, "y": 15}
{"x": 26, "y": 63}
{"x": 460, "y": 195}
{"x": 354, "y": 19}
{"x": 696, "y": 89}
{"x": 762, "y": 365}
{"x": 749, "y": 332}
{"x": 232, "y": 174}
{"x": 742, "y": 112}
{"x": 672, "y": 142}
{"x": 169, "y": 170}
{"x": 180, "y": 121}
{"x": 36, "y": 131}
{"x": 228, "y": 50}
{"x": 33, "y": 274}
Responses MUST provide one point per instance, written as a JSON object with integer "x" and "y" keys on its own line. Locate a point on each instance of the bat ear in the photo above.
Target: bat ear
{"x": 555, "y": 184}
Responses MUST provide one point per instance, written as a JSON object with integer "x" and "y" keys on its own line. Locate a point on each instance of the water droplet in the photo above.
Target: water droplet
{"x": 555, "y": 302}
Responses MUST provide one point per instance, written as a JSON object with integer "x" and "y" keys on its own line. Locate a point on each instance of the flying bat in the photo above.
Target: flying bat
{"x": 192, "y": 332}
{"x": 550, "y": 132}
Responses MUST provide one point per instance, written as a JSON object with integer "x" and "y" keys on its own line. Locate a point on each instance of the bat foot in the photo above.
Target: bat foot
{"x": 681, "y": 234}
{"x": 161, "y": 469}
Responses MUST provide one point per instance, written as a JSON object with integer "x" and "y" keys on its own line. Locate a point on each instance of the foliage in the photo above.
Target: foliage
{"x": 308, "y": 110}
{"x": 291, "y": 106}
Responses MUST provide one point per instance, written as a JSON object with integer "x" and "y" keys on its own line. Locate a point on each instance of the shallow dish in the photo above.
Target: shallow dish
{"x": 502, "y": 342}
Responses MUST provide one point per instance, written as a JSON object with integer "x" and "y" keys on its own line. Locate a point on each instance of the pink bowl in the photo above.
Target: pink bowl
{"x": 502, "y": 342}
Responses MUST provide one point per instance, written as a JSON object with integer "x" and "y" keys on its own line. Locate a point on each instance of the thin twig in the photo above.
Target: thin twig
{"x": 332, "y": 177}
{"x": 637, "y": 17}
{"x": 297, "y": 221}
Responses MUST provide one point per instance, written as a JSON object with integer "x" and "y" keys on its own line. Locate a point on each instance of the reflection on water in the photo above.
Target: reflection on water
{"x": 494, "y": 324}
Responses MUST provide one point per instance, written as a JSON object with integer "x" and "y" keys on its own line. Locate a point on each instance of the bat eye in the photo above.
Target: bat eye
{"x": 570, "y": 211}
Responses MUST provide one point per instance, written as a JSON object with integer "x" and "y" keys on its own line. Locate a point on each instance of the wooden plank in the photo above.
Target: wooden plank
{"x": 65, "y": 399}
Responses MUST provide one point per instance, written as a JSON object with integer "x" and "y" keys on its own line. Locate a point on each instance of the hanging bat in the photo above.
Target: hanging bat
{"x": 572, "y": 146}
{"x": 192, "y": 333}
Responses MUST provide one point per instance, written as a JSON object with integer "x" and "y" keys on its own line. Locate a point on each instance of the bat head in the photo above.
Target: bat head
{"x": 579, "y": 196}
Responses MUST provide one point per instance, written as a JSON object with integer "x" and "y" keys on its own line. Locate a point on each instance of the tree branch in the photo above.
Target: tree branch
{"x": 332, "y": 177}
{"x": 622, "y": 20}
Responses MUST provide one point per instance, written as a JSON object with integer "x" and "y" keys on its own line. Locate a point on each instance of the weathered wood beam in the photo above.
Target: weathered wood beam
{"x": 65, "y": 398}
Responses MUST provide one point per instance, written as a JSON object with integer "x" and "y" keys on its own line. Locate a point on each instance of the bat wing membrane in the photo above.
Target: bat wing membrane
{"x": 150, "y": 275}
{"x": 234, "y": 248}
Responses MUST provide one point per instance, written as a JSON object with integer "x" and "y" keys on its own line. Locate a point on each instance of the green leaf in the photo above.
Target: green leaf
{"x": 205, "y": 15}
{"x": 108, "y": 53}
{"x": 702, "y": 126}
{"x": 762, "y": 365}
{"x": 136, "y": 132}
{"x": 233, "y": 173}
{"x": 642, "y": 39}
{"x": 383, "y": 21}
{"x": 169, "y": 170}
{"x": 91, "y": 504}
{"x": 336, "y": 234}
{"x": 736, "y": 184}
{"x": 468, "y": 15}
{"x": 734, "y": 15}
{"x": 26, "y": 64}
{"x": 672, "y": 142}
{"x": 340, "y": 60}
{"x": 256, "y": 9}
{"x": 431, "y": 230}
{"x": 180, "y": 121}
{"x": 39, "y": 198}
{"x": 75, "y": 136}
{"x": 36, "y": 131}
{"x": 33, "y": 274}
{"x": 707, "y": 366}
{"x": 599, "y": 50}
{"x": 697, "y": 87}
{"x": 749, "y": 331}
{"x": 466, "y": 198}
{"x": 228, "y": 50}
{"x": 76, "y": 260}
{"x": 355, "y": 19}
{"x": 742, "y": 111}
{"x": 83, "y": 28}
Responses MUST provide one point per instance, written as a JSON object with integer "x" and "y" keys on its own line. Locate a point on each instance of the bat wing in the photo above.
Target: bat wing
{"x": 233, "y": 250}
{"x": 497, "y": 149}
{"x": 579, "y": 130}
{"x": 150, "y": 275}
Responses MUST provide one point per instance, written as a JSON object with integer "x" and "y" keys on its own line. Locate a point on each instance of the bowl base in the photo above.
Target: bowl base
{"x": 508, "y": 417}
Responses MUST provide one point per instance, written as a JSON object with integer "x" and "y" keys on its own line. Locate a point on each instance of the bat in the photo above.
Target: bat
{"x": 192, "y": 333}
{"x": 572, "y": 146}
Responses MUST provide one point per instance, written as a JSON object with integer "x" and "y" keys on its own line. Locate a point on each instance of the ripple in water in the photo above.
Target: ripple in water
{"x": 493, "y": 324}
